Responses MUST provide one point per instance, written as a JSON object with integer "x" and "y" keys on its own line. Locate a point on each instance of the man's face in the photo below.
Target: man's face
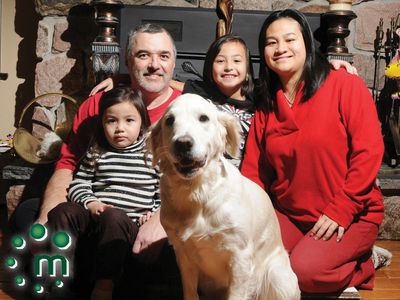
{"x": 151, "y": 62}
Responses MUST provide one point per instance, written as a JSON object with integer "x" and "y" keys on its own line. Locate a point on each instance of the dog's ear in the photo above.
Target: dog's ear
{"x": 153, "y": 141}
{"x": 233, "y": 131}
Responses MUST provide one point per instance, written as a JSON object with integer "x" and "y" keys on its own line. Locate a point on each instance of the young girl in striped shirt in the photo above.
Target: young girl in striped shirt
{"x": 115, "y": 172}
{"x": 116, "y": 187}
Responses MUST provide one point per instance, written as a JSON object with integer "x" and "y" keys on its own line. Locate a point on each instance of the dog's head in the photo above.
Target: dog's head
{"x": 191, "y": 134}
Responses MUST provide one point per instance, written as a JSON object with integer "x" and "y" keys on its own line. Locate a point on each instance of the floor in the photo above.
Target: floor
{"x": 387, "y": 282}
{"x": 387, "y": 286}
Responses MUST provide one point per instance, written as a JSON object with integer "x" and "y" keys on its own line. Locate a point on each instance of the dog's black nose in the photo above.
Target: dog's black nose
{"x": 183, "y": 145}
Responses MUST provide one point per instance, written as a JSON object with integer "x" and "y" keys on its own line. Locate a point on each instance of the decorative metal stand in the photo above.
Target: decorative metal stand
{"x": 106, "y": 47}
{"x": 336, "y": 25}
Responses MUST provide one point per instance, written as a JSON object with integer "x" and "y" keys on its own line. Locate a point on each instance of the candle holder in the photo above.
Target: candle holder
{"x": 105, "y": 46}
{"x": 335, "y": 25}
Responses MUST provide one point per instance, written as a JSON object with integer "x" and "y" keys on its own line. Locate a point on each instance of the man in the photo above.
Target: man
{"x": 150, "y": 58}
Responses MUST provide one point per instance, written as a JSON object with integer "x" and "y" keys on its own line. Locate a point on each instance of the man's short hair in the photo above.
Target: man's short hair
{"x": 146, "y": 28}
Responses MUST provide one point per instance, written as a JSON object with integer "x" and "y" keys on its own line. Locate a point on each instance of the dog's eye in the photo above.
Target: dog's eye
{"x": 204, "y": 118}
{"x": 169, "y": 121}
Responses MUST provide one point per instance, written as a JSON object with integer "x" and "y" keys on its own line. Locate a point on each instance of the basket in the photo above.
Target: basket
{"x": 26, "y": 145}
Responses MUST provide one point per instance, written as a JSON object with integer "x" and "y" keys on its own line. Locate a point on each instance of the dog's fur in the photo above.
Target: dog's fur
{"x": 223, "y": 227}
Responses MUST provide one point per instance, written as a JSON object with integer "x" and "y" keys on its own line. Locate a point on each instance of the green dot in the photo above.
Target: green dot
{"x": 20, "y": 280}
{"x": 58, "y": 283}
{"x": 61, "y": 239}
{"x": 11, "y": 262}
{"x": 38, "y": 231}
{"x": 38, "y": 288}
{"x": 17, "y": 241}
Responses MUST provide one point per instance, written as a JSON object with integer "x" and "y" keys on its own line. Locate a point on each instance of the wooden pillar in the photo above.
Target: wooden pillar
{"x": 106, "y": 46}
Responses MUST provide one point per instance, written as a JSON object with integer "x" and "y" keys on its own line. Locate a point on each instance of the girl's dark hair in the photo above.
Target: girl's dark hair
{"x": 108, "y": 99}
{"x": 213, "y": 51}
{"x": 316, "y": 67}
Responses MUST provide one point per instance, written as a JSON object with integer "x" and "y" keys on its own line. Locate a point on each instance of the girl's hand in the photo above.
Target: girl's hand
{"x": 325, "y": 227}
{"x": 106, "y": 85}
{"x": 143, "y": 219}
{"x": 337, "y": 64}
{"x": 96, "y": 208}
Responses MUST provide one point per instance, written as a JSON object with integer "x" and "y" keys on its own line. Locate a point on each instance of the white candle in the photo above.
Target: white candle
{"x": 340, "y": 4}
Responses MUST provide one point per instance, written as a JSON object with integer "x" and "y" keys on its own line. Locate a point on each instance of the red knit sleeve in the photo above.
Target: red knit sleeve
{"x": 360, "y": 119}
{"x": 83, "y": 127}
{"x": 254, "y": 163}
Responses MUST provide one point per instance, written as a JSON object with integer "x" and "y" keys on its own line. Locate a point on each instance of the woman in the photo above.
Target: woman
{"x": 315, "y": 146}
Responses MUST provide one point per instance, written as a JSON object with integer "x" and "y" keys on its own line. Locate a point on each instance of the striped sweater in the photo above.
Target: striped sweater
{"x": 123, "y": 178}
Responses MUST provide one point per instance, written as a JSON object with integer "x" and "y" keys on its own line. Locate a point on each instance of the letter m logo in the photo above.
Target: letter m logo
{"x": 51, "y": 262}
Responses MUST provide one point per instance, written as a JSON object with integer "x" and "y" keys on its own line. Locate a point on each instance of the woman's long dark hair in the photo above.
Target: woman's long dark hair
{"x": 213, "y": 51}
{"x": 316, "y": 67}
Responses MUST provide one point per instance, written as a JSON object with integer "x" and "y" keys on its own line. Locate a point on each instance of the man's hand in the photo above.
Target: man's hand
{"x": 143, "y": 219}
{"x": 325, "y": 227}
{"x": 337, "y": 64}
{"x": 106, "y": 85}
{"x": 177, "y": 85}
{"x": 150, "y": 239}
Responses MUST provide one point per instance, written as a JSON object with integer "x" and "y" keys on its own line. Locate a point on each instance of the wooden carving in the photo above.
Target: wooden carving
{"x": 225, "y": 14}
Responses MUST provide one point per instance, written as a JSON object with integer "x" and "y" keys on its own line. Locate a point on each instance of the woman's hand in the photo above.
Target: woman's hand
{"x": 96, "y": 208}
{"x": 337, "y": 64}
{"x": 325, "y": 227}
{"x": 106, "y": 85}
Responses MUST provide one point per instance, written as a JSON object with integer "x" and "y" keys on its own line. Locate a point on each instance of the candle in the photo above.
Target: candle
{"x": 340, "y": 4}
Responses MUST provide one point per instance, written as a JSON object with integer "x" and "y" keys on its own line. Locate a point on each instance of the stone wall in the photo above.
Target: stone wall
{"x": 67, "y": 29}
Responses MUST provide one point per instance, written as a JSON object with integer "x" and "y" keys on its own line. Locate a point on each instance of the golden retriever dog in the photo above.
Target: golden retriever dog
{"x": 222, "y": 226}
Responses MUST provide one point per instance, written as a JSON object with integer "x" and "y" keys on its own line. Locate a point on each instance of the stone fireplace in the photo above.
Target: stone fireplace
{"x": 64, "y": 31}
{"x": 67, "y": 30}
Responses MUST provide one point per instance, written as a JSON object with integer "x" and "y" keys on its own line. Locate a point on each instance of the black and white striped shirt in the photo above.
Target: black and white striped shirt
{"x": 123, "y": 178}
